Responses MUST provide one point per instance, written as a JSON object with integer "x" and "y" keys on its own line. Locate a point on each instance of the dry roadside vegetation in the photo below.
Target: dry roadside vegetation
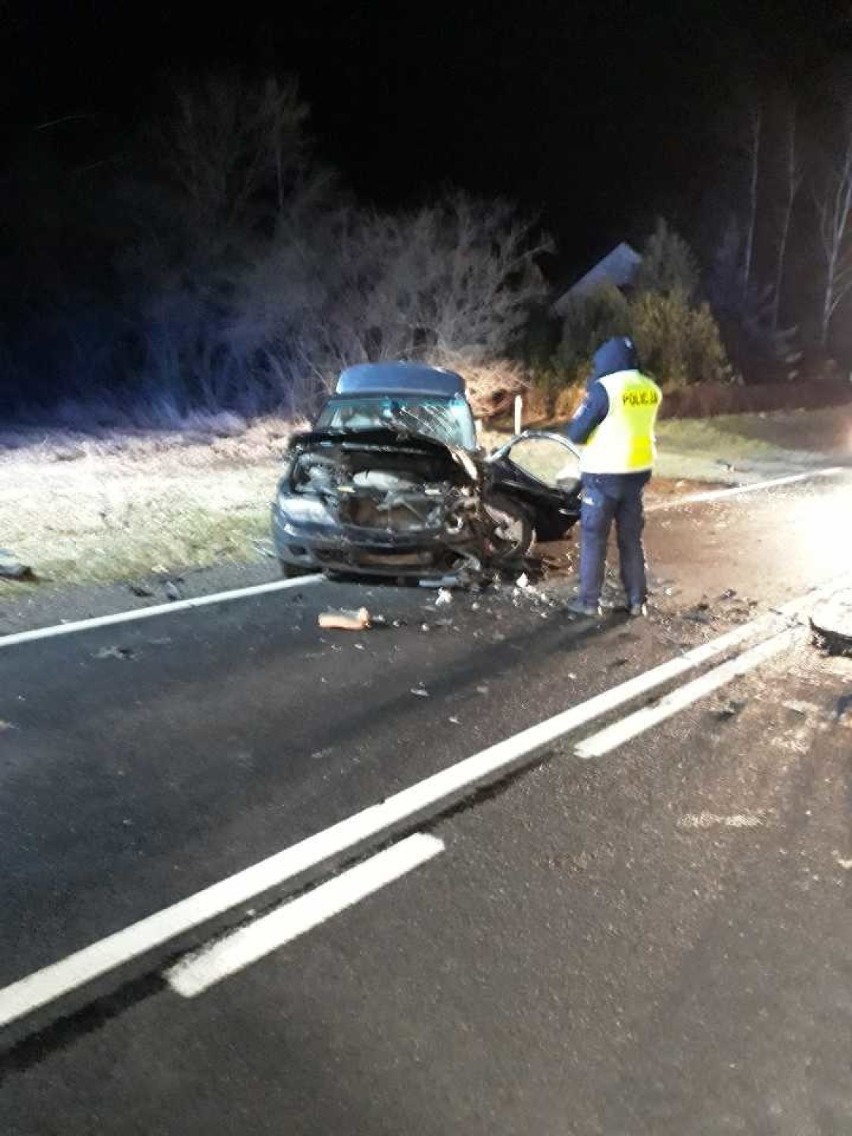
{"x": 125, "y": 504}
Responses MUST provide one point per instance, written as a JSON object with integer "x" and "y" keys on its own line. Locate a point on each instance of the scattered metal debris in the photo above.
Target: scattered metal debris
{"x": 831, "y": 623}
{"x": 730, "y": 710}
{"x": 141, "y": 590}
{"x": 114, "y": 653}
{"x": 700, "y": 613}
{"x": 420, "y": 691}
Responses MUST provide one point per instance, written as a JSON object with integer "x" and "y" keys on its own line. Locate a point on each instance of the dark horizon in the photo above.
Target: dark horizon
{"x": 590, "y": 118}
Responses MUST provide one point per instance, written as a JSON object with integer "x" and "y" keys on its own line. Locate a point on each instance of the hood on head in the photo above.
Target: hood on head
{"x": 617, "y": 354}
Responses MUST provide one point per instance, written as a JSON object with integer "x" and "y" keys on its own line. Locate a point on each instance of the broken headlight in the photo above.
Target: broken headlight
{"x": 303, "y": 509}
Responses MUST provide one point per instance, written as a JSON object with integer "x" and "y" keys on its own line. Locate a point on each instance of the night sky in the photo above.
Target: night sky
{"x": 598, "y": 116}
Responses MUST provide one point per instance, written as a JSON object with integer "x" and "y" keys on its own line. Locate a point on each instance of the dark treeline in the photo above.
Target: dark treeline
{"x": 207, "y": 259}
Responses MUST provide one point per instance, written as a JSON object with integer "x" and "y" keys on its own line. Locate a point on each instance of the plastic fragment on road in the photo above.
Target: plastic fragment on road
{"x": 345, "y": 620}
{"x": 444, "y": 597}
{"x": 420, "y": 691}
{"x": 523, "y": 581}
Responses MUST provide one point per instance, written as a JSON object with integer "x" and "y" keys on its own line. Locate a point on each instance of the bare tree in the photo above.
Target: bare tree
{"x": 792, "y": 184}
{"x": 463, "y": 272}
{"x": 451, "y": 282}
{"x": 833, "y": 200}
{"x": 755, "y": 128}
{"x": 228, "y": 144}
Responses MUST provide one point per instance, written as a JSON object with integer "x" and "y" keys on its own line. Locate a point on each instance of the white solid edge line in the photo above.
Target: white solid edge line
{"x": 628, "y": 728}
{"x": 202, "y": 969}
{"x": 157, "y": 609}
{"x": 84, "y": 966}
{"x": 738, "y": 490}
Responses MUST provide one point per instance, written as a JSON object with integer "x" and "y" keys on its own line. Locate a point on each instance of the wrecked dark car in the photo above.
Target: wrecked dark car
{"x": 390, "y": 481}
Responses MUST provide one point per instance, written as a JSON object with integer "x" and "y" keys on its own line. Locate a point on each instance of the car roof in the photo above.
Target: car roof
{"x": 399, "y": 378}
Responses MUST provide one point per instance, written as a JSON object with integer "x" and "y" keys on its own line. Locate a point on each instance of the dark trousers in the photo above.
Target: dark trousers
{"x": 609, "y": 497}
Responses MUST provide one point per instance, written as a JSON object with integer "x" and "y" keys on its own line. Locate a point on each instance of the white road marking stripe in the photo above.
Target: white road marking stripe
{"x": 202, "y": 969}
{"x": 739, "y": 490}
{"x": 157, "y": 609}
{"x": 697, "y": 821}
{"x": 116, "y": 950}
{"x": 628, "y": 728}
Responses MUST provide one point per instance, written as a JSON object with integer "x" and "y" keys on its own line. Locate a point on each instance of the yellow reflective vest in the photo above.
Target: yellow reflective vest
{"x": 624, "y": 442}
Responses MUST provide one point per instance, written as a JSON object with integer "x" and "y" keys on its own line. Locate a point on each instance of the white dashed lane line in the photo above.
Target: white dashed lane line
{"x": 203, "y": 969}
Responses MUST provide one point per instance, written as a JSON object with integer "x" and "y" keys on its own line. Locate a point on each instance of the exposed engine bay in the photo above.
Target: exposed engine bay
{"x": 384, "y": 493}
{"x": 394, "y": 486}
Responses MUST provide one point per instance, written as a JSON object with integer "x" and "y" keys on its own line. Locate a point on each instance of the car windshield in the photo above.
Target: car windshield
{"x": 447, "y": 419}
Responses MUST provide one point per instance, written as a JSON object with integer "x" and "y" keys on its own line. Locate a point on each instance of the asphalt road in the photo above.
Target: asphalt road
{"x": 654, "y": 942}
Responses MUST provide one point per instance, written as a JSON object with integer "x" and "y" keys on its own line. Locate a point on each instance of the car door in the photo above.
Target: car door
{"x": 542, "y": 470}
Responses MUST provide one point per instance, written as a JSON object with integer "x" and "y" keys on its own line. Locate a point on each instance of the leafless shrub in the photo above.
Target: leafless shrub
{"x": 491, "y": 386}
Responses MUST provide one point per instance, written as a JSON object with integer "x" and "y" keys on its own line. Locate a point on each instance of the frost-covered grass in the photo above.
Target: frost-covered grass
{"x": 84, "y": 509}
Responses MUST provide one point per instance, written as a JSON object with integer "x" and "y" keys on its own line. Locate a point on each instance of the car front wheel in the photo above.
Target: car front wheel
{"x": 512, "y": 536}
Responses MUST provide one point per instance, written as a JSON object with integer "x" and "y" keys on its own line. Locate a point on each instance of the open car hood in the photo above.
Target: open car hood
{"x": 378, "y": 438}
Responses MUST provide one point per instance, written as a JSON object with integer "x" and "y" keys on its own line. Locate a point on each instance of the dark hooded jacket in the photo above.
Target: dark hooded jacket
{"x": 618, "y": 354}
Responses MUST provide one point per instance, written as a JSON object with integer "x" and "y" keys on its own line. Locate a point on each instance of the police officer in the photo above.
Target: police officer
{"x": 615, "y": 424}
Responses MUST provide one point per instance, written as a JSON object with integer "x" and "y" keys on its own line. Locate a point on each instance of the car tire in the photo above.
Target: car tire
{"x": 515, "y": 534}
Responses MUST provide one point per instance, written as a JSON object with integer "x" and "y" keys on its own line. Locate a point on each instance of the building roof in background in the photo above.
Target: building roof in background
{"x": 618, "y": 267}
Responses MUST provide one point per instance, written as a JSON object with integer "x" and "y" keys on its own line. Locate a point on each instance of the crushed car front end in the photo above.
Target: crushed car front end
{"x": 377, "y": 502}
